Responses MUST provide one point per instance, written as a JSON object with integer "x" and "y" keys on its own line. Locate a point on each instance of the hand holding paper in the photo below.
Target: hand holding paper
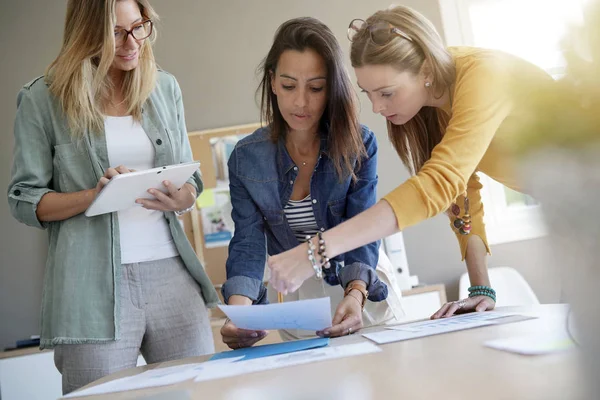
{"x": 311, "y": 315}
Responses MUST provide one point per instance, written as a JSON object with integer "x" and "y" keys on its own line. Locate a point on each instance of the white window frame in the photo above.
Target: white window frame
{"x": 504, "y": 223}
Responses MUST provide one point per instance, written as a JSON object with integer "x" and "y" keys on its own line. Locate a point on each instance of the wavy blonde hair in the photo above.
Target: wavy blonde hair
{"x": 78, "y": 77}
{"x": 425, "y": 52}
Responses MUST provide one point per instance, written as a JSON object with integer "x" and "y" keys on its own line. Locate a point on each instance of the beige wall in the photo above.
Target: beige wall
{"x": 213, "y": 48}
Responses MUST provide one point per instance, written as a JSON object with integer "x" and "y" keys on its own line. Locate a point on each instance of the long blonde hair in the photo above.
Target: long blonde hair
{"x": 415, "y": 140}
{"x": 78, "y": 77}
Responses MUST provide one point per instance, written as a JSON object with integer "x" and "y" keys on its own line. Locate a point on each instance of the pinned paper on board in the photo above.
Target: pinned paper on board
{"x": 206, "y": 199}
{"x": 217, "y": 231}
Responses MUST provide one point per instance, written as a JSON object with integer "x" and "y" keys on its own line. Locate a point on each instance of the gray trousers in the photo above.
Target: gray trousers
{"x": 163, "y": 316}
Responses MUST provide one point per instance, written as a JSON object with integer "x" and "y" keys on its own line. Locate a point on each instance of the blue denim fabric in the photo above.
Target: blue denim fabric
{"x": 262, "y": 175}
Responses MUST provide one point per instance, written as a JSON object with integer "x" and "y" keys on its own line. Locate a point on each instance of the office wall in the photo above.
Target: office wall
{"x": 213, "y": 48}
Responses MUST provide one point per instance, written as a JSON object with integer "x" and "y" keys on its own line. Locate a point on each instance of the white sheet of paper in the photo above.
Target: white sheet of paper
{"x": 445, "y": 324}
{"x": 435, "y": 327}
{"x": 311, "y": 315}
{"x": 394, "y": 335}
{"x": 286, "y": 360}
{"x": 530, "y": 345}
{"x": 153, "y": 378}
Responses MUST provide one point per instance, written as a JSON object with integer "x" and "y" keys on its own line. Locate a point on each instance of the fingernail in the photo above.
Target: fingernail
{"x": 326, "y": 333}
{"x": 254, "y": 334}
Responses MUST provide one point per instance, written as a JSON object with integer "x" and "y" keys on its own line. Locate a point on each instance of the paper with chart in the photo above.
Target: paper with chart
{"x": 154, "y": 378}
{"x": 287, "y": 360}
{"x": 546, "y": 343}
{"x": 443, "y": 325}
{"x": 311, "y": 315}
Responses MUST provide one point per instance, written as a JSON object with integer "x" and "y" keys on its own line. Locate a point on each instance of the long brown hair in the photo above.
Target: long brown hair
{"x": 78, "y": 77}
{"x": 414, "y": 141}
{"x": 340, "y": 118}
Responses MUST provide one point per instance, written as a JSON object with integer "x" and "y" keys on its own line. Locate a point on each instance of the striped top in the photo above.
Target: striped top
{"x": 301, "y": 218}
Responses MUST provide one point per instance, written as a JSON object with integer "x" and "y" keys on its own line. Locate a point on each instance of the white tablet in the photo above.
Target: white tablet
{"x": 123, "y": 190}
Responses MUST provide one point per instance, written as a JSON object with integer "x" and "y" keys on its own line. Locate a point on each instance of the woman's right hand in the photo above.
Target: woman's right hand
{"x": 237, "y": 338}
{"x": 108, "y": 174}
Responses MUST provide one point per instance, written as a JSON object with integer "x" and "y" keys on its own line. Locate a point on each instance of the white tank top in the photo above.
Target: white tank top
{"x": 145, "y": 234}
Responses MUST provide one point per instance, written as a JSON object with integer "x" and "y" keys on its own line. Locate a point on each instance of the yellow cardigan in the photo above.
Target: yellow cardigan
{"x": 483, "y": 111}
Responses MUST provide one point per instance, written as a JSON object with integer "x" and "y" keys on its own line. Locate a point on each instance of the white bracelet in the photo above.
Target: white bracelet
{"x": 190, "y": 208}
{"x": 187, "y": 210}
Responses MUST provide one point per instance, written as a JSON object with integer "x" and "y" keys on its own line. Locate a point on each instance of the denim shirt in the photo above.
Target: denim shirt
{"x": 262, "y": 176}
{"x": 80, "y": 301}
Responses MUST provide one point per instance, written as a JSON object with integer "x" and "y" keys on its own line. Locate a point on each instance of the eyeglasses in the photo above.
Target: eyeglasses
{"x": 138, "y": 31}
{"x": 381, "y": 33}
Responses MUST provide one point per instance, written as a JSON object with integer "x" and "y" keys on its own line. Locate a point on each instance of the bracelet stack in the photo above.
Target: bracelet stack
{"x": 312, "y": 259}
{"x": 324, "y": 259}
{"x": 482, "y": 291}
{"x": 321, "y": 252}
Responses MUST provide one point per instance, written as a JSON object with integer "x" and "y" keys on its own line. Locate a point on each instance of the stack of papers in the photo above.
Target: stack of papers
{"x": 223, "y": 368}
{"x": 288, "y": 359}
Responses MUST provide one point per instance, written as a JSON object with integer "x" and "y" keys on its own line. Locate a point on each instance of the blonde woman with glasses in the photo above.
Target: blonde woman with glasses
{"x": 450, "y": 113}
{"x": 124, "y": 282}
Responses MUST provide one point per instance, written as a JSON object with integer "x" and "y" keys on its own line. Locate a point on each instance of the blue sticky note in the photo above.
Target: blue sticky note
{"x": 273, "y": 349}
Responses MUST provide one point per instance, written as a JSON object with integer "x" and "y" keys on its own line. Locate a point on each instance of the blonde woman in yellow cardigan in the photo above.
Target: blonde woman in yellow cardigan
{"x": 450, "y": 114}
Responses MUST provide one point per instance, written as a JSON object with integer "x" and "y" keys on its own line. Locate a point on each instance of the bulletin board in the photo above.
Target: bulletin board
{"x": 208, "y": 226}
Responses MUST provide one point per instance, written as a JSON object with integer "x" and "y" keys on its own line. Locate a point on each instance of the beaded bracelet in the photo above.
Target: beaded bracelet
{"x": 324, "y": 259}
{"x": 482, "y": 291}
{"x": 312, "y": 259}
{"x": 482, "y": 287}
{"x": 475, "y": 294}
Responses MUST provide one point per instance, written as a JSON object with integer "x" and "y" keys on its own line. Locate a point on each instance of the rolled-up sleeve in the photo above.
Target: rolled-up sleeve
{"x": 32, "y": 169}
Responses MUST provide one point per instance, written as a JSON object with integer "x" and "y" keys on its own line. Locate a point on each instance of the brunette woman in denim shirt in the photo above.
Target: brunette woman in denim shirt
{"x": 312, "y": 167}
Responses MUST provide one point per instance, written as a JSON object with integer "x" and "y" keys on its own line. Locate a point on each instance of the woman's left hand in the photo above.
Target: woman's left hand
{"x": 477, "y": 303}
{"x": 290, "y": 269}
{"x": 175, "y": 200}
{"x": 347, "y": 318}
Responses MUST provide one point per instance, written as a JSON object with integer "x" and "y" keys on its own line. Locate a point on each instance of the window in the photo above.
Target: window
{"x": 530, "y": 29}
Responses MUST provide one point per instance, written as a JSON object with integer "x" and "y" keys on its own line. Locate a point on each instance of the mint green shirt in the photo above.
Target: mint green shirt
{"x": 80, "y": 302}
